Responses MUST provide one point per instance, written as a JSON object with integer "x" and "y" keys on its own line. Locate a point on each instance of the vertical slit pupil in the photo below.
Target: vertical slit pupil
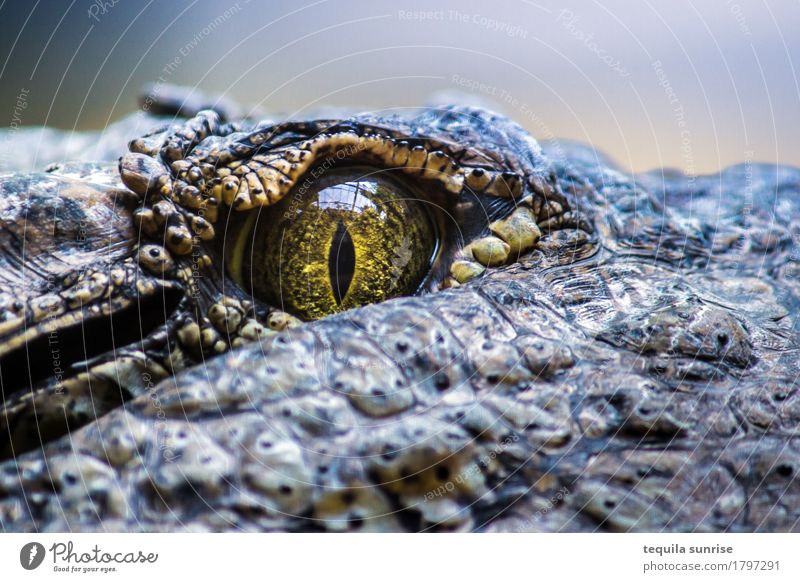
{"x": 341, "y": 262}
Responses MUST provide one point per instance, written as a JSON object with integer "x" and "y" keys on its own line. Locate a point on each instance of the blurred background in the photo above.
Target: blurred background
{"x": 695, "y": 85}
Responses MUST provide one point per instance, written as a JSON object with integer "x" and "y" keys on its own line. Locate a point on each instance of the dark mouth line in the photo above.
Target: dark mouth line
{"x": 60, "y": 357}
{"x": 34, "y": 361}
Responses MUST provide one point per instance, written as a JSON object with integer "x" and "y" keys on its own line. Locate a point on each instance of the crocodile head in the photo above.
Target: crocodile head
{"x": 425, "y": 321}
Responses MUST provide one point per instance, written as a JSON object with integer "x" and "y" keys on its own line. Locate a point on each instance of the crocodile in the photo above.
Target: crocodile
{"x": 422, "y": 320}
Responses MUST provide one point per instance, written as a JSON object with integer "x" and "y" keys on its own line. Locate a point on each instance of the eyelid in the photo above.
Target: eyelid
{"x": 205, "y": 165}
{"x": 280, "y": 156}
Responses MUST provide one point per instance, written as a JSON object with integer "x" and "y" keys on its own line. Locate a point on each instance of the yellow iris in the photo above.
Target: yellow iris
{"x": 334, "y": 244}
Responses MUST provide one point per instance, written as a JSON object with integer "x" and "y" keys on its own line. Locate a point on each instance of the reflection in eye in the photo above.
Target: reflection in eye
{"x": 345, "y": 240}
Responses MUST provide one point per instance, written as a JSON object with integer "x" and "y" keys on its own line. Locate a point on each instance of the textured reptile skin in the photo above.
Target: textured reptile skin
{"x": 634, "y": 370}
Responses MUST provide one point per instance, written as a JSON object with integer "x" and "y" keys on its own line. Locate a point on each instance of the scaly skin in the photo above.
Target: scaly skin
{"x": 633, "y": 368}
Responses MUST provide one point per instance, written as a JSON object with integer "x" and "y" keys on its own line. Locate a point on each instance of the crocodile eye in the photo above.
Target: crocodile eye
{"x": 346, "y": 239}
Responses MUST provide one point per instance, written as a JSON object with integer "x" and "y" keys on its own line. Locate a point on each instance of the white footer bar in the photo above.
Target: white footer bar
{"x": 399, "y": 557}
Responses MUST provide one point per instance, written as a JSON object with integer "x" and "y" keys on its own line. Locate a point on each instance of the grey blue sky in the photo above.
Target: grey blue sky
{"x": 692, "y": 84}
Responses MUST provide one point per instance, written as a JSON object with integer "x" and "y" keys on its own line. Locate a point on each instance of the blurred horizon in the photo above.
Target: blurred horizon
{"x": 693, "y": 85}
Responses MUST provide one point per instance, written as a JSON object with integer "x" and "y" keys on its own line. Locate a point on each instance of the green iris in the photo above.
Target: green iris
{"x": 341, "y": 241}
